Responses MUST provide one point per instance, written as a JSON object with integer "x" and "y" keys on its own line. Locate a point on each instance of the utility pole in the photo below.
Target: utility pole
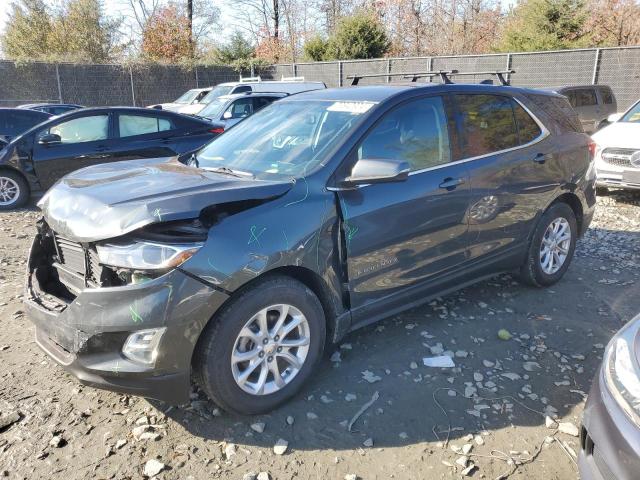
{"x": 190, "y": 21}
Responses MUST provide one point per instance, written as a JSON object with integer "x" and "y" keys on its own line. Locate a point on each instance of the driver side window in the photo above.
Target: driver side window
{"x": 415, "y": 132}
{"x": 83, "y": 129}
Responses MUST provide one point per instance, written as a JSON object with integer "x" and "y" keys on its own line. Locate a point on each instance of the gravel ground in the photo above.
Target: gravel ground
{"x": 418, "y": 422}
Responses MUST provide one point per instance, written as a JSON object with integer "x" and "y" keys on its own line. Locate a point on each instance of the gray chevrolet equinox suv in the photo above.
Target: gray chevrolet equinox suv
{"x": 238, "y": 264}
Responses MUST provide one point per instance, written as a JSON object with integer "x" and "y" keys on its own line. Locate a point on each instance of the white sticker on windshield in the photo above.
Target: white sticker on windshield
{"x": 351, "y": 107}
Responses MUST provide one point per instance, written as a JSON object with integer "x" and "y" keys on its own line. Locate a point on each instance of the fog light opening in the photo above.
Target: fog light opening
{"x": 142, "y": 346}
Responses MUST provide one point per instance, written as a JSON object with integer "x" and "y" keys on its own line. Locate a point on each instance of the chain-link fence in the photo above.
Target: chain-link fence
{"x": 143, "y": 85}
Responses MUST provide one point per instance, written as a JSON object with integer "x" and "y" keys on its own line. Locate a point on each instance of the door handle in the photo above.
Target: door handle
{"x": 541, "y": 158}
{"x": 102, "y": 148}
{"x": 450, "y": 183}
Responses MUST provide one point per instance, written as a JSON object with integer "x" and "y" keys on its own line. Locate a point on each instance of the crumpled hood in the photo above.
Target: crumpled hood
{"x": 112, "y": 199}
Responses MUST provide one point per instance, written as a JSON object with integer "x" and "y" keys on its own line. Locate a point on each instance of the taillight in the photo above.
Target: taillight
{"x": 217, "y": 130}
{"x": 592, "y": 148}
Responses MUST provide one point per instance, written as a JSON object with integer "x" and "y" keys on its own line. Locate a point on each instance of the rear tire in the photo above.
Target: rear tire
{"x": 551, "y": 250}
{"x": 14, "y": 190}
{"x": 237, "y": 333}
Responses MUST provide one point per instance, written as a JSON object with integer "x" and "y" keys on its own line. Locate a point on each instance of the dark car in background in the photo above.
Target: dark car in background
{"x": 14, "y": 121}
{"x": 52, "y": 108}
{"x": 610, "y": 434}
{"x": 324, "y": 212}
{"x": 228, "y": 110}
{"x": 39, "y": 157}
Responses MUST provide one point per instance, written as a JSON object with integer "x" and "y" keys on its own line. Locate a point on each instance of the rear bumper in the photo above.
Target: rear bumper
{"x": 610, "y": 447}
{"x": 86, "y": 336}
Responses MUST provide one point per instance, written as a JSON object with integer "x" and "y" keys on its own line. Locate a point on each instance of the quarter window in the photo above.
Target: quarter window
{"x": 415, "y": 132}
{"x": 528, "y": 129}
{"x": 83, "y": 129}
{"x": 488, "y": 122}
{"x": 131, "y": 125}
{"x": 607, "y": 96}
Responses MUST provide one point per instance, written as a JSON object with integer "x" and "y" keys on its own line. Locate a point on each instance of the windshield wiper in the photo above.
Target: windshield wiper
{"x": 228, "y": 171}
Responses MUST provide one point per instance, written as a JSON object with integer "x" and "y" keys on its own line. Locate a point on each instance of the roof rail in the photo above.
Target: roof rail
{"x": 291, "y": 79}
{"x": 250, "y": 79}
{"x": 443, "y": 74}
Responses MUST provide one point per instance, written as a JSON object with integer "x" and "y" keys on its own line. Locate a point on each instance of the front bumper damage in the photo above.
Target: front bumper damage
{"x": 610, "y": 442}
{"x": 86, "y": 335}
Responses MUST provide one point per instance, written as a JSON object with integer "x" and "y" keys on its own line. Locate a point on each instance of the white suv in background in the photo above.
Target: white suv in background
{"x": 618, "y": 150}
{"x": 289, "y": 85}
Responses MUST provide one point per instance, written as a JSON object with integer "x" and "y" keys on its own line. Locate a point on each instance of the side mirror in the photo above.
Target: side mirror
{"x": 227, "y": 115}
{"x": 614, "y": 117}
{"x": 369, "y": 170}
{"x": 50, "y": 139}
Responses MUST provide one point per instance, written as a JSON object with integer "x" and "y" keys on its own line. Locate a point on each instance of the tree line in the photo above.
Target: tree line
{"x": 271, "y": 31}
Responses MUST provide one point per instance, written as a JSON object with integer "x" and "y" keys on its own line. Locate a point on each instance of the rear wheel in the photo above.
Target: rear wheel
{"x": 552, "y": 247}
{"x": 260, "y": 349}
{"x": 14, "y": 191}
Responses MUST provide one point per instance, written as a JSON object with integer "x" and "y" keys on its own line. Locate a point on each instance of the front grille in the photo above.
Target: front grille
{"x": 78, "y": 266}
{"x": 71, "y": 254}
{"x": 619, "y": 157}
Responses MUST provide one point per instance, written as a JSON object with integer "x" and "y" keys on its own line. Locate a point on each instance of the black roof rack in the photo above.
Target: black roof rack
{"x": 443, "y": 74}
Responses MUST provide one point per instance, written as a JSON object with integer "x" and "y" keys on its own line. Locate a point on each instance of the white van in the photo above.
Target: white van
{"x": 190, "y": 97}
{"x": 288, "y": 85}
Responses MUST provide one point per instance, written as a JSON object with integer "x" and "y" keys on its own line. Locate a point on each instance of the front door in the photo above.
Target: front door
{"x": 84, "y": 141}
{"x": 402, "y": 234}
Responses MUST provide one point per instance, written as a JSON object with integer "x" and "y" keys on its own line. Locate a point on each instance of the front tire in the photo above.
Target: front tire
{"x": 552, "y": 247}
{"x": 14, "y": 190}
{"x": 261, "y": 348}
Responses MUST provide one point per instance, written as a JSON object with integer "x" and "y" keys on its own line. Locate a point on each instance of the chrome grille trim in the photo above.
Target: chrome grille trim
{"x": 619, "y": 157}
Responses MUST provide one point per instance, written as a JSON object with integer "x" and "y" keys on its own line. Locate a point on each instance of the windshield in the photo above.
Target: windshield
{"x": 632, "y": 115}
{"x": 219, "y": 91}
{"x": 188, "y": 96}
{"x": 286, "y": 138}
{"x": 213, "y": 109}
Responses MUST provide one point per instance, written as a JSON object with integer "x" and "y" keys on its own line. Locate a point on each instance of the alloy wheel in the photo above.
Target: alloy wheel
{"x": 555, "y": 245}
{"x": 270, "y": 349}
{"x": 9, "y": 191}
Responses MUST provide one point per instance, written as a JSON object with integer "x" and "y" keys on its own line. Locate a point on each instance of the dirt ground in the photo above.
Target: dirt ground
{"x": 494, "y": 401}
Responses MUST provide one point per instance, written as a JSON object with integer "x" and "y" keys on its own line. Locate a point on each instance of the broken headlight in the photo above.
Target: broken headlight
{"x": 146, "y": 256}
{"x": 622, "y": 372}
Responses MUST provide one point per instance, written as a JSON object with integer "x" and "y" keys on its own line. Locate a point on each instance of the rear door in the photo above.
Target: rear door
{"x": 401, "y": 235}
{"x": 155, "y": 134}
{"x": 513, "y": 170}
{"x": 85, "y": 140}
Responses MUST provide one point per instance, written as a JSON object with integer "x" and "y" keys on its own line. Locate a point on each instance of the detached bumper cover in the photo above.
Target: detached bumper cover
{"x": 610, "y": 441}
{"x": 86, "y": 337}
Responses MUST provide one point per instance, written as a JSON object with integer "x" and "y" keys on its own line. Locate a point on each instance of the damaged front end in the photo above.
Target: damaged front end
{"x": 114, "y": 313}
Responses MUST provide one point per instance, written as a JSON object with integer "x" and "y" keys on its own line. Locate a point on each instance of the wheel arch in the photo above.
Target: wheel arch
{"x": 305, "y": 276}
{"x": 574, "y": 202}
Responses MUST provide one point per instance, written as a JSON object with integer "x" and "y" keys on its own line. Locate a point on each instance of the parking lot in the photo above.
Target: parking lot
{"x": 374, "y": 410}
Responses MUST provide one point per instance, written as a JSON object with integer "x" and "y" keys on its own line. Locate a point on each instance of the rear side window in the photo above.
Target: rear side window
{"x": 528, "y": 129}
{"x": 607, "y": 96}
{"x": 131, "y": 125}
{"x": 488, "y": 122}
{"x": 584, "y": 97}
{"x": 415, "y": 132}
{"x": 261, "y": 102}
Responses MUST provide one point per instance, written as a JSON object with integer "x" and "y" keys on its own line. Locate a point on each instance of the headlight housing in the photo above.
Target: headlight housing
{"x": 146, "y": 256}
{"x": 621, "y": 370}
